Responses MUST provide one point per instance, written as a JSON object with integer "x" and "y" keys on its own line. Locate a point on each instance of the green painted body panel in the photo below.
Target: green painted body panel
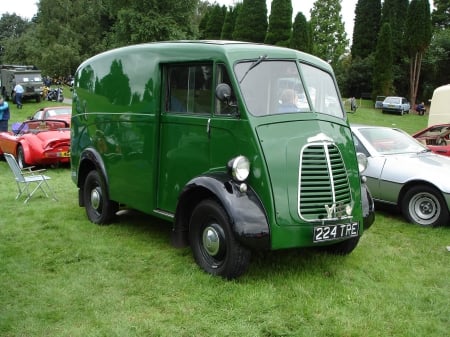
{"x": 281, "y": 146}
{"x": 149, "y": 156}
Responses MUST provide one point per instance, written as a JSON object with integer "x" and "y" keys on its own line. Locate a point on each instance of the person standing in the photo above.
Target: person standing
{"x": 353, "y": 105}
{"x": 18, "y": 91}
{"x": 4, "y": 115}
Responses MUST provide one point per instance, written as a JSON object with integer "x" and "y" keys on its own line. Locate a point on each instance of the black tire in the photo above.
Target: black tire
{"x": 99, "y": 208}
{"x": 343, "y": 247}
{"x": 213, "y": 244}
{"x": 21, "y": 157}
{"x": 425, "y": 206}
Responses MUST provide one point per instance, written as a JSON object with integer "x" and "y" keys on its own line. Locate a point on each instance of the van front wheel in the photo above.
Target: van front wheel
{"x": 99, "y": 208}
{"x": 213, "y": 244}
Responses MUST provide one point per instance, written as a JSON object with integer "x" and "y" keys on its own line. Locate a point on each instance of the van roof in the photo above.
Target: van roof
{"x": 193, "y": 50}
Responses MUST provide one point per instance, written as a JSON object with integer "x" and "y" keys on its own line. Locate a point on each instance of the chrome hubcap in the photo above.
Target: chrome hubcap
{"x": 96, "y": 198}
{"x": 425, "y": 208}
{"x": 211, "y": 240}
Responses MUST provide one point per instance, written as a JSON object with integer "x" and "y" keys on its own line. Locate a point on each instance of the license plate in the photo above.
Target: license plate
{"x": 64, "y": 154}
{"x": 334, "y": 232}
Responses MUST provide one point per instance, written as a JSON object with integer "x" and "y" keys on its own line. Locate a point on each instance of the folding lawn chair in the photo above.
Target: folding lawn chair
{"x": 26, "y": 177}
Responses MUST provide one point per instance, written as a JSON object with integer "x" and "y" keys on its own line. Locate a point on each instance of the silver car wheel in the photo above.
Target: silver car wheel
{"x": 424, "y": 208}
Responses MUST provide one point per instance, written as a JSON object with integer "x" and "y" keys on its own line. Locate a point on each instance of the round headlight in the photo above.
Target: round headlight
{"x": 362, "y": 162}
{"x": 240, "y": 168}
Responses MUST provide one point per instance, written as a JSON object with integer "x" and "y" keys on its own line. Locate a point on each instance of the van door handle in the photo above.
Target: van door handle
{"x": 208, "y": 127}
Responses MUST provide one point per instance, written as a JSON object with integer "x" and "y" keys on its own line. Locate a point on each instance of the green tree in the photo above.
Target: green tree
{"x": 203, "y": 23}
{"x": 12, "y": 27}
{"x": 301, "y": 38}
{"x": 251, "y": 22}
{"x": 417, "y": 40}
{"x": 230, "y": 22}
{"x": 382, "y": 71}
{"x": 146, "y": 21}
{"x": 436, "y": 62}
{"x": 441, "y": 14}
{"x": 329, "y": 39}
{"x": 394, "y": 13}
{"x": 280, "y": 23}
{"x": 359, "y": 76}
{"x": 366, "y": 28}
{"x": 68, "y": 32}
{"x": 215, "y": 22}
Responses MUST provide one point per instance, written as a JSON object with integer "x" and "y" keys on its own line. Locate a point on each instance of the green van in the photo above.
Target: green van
{"x": 241, "y": 146}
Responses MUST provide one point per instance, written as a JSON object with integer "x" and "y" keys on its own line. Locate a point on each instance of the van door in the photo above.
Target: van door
{"x": 184, "y": 137}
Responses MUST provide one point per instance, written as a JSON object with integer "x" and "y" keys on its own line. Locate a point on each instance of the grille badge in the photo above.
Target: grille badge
{"x": 320, "y": 137}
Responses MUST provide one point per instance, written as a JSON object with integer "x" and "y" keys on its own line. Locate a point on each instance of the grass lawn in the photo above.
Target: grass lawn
{"x": 61, "y": 275}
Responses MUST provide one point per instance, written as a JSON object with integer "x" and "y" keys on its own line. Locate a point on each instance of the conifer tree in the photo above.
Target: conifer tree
{"x": 441, "y": 14}
{"x": 366, "y": 28}
{"x": 394, "y": 13}
{"x": 329, "y": 39}
{"x": 417, "y": 39}
{"x": 383, "y": 77}
{"x": 251, "y": 22}
{"x": 301, "y": 38}
{"x": 215, "y": 22}
{"x": 230, "y": 21}
{"x": 280, "y": 23}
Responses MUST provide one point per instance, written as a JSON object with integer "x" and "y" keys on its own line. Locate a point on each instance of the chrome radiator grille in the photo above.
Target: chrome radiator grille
{"x": 323, "y": 183}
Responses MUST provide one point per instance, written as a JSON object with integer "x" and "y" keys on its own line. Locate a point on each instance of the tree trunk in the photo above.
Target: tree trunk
{"x": 414, "y": 75}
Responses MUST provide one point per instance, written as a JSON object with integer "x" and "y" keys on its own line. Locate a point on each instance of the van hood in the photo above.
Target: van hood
{"x": 311, "y": 165}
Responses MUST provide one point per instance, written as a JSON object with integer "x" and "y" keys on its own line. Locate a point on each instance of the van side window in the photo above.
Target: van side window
{"x": 224, "y": 108}
{"x": 188, "y": 88}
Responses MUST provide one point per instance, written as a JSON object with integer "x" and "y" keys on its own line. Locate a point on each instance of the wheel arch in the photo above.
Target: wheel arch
{"x": 412, "y": 183}
{"x": 248, "y": 218}
{"x": 90, "y": 160}
{"x": 26, "y": 152}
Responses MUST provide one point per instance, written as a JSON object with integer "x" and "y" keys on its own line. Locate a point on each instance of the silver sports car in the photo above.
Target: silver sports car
{"x": 403, "y": 172}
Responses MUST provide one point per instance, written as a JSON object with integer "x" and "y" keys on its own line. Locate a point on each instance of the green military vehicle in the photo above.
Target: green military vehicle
{"x": 28, "y": 77}
{"x": 240, "y": 146}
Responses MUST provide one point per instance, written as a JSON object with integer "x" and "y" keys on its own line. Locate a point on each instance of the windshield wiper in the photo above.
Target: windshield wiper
{"x": 253, "y": 65}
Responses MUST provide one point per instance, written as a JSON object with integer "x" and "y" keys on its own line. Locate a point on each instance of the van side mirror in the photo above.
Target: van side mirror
{"x": 223, "y": 92}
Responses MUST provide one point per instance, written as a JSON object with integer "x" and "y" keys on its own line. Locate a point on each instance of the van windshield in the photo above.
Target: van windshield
{"x": 275, "y": 87}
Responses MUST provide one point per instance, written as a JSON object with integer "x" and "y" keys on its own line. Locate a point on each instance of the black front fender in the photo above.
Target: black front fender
{"x": 247, "y": 215}
{"x": 90, "y": 160}
{"x": 368, "y": 206}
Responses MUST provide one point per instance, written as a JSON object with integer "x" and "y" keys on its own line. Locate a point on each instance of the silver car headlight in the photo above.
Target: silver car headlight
{"x": 240, "y": 168}
{"x": 362, "y": 162}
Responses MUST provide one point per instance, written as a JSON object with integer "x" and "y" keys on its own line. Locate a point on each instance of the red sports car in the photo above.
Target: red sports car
{"x": 436, "y": 138}
{"x": 55, "y": 112}
{"x": 38, "y": 142}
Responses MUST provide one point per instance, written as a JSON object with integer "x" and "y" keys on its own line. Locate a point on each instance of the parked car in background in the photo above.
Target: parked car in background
{"x": 55, "y": 112}
{"x": 436, "y": 138}
{"x": 38, "y": 142}
{"x": 395, "y": 104}
{"x": 379, "y": 102}
{"x": 403, "y": 172}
